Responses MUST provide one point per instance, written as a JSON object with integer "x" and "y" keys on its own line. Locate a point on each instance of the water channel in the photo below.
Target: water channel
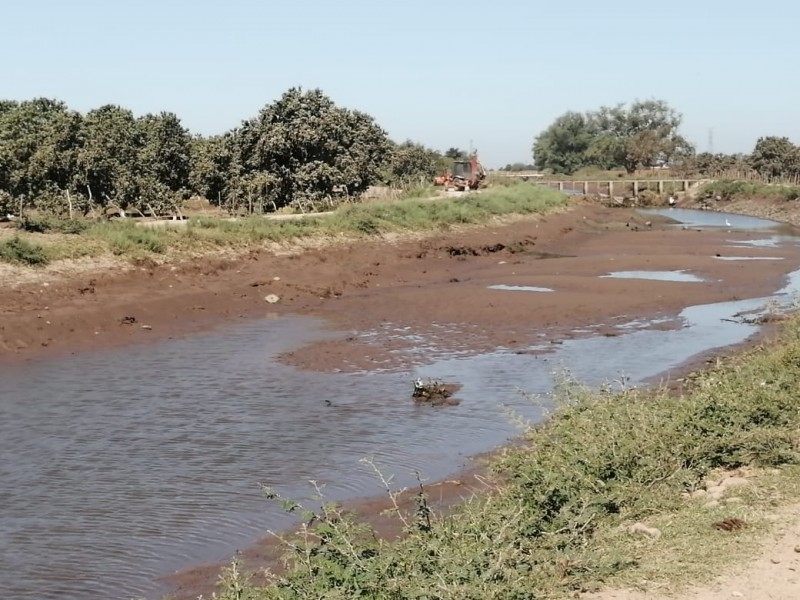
{"x": 120, "y": 467}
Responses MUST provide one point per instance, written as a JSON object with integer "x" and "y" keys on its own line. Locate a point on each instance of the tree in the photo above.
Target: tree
{"x": 642, "y": 135}
{"x": 212, "y": 167}
{"x": 38, "y": 139}
{"x": 455, "y": 153}
{"x": 775, "y": 157}
{"x": 564, "y": 146}
{"x": 311, "y": 148}
{"x": 108, "y": 160}
{"x": 163, "y": 161}
{"x": 410, "y": 162}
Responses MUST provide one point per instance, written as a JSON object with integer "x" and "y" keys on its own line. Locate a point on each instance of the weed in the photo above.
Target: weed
{"x": 19, "y": 250}
{"x": 734, "y": 189}
{"x": 561, "y": 520}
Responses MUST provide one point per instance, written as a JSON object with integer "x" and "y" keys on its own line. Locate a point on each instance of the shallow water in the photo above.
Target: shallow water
{"x": 706, "y": 218}
{"x": 654, "y": 275}
{"x": 122, "y": 466}
{"x": 520, "y": 288}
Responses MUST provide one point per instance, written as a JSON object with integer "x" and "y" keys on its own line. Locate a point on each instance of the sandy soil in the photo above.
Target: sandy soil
{"x": 772, "y": 575}
{"x": 437, "y": 285}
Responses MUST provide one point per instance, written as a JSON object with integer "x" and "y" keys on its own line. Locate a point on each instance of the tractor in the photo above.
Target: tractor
{"x": 465, "y": 175}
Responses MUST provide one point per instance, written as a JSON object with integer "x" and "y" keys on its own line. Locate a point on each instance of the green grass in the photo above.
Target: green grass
{"x": 411, "y": 213}
{"x": 21, "y": 251}
{"x": 735, "y": 190}
{"x": 557, "y": 521}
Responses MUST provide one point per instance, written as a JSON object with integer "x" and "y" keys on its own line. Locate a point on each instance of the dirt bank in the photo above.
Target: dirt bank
{"x": 438, "y": 286}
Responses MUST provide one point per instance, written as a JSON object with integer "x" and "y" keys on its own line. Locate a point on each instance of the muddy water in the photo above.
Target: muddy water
{"x": 120, "y": 467}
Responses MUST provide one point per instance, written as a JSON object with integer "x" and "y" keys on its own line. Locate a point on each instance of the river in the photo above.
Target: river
{"x": 122, "y": 466}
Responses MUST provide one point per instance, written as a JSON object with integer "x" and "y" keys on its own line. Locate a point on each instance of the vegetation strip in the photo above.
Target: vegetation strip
{"x": 620, "y": 486}
{"x": 74, "y": 239}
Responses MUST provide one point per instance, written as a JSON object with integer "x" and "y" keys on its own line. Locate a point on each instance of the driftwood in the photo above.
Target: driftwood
{"x": 434, "y": 392}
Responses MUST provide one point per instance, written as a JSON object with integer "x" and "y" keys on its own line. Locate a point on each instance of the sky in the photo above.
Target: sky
{"x": 486, "y": 74}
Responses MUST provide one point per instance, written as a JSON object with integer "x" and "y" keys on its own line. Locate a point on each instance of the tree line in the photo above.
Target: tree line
{"x": 645, "y": 134}
{"x": 302, "y": 148}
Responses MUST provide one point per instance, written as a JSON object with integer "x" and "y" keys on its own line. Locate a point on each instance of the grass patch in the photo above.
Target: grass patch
{"x": 740, "y": 190}
{"x": 126, "y": 238}
{"x": 559, "y": 521}
{"x": 411, "y": 213}
{"x": 21, "y": 251}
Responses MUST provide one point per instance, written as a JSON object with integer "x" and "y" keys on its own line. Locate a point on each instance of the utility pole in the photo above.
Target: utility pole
{"x": 711, "y": 140}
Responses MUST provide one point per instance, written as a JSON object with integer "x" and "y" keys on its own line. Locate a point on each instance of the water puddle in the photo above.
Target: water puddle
{"x": 711, "y": 219}
{"x": 520, "y": 288}
{"x": 680, "y": 276}
{"x": 745, "y": 258}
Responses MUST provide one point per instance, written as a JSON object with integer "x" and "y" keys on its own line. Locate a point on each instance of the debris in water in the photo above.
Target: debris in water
{"x": 127, "y": 320}
{"x": 272, "y": 299}
{"x": 434, "y": 392}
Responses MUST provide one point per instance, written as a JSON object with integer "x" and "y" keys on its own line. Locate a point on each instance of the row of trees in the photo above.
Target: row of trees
{"x": 644, "y": 135}
{"x": 301, "y": 148}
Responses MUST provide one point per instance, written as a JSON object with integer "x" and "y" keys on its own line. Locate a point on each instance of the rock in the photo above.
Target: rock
{"x": 272, "y": 299}
{"x": 147, "y": 327}
{"x": 699, "y": 494}
{"x": 642, "y": 529}
{"x": 712, "y": 504}
{"x": 276, "y": 279}
{"x": 733, "y": 500}
{"x": 737, "y": 594}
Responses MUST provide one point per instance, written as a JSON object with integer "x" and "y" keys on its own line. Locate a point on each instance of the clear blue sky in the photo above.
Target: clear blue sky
{"x": 442, "y": 73}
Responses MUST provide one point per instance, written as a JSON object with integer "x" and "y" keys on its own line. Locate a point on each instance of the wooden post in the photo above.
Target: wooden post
{"x": 660, "y": 186}
{"x": 685, "y": 185}
{"x": 610, "y": 189}
{"x": 585, "y": 188}
{"x": 635, "y": 187}
{"x": 560, "y": 186}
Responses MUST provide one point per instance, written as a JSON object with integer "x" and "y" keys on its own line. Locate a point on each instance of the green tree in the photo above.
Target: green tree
{"x": 213, "y": 167}
{"x": 642, "y": 135}
{"x": 455, "y": 154}
{"x": 311, "y": 148}
{"x": 38, "y": 139}
{"x": 411, "y": 163}
{"x": 163, "y": 162}
{"x": 775, "y": 157}
{"x": 108, "y": 159}
{"x": 564, "y": 146}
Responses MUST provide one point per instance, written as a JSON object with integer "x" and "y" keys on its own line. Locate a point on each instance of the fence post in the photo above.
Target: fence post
{"x": 660, "y": 186}
{"x": 610, "y": 189}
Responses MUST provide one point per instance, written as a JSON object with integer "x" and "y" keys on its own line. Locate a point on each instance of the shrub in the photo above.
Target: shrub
{"x": 18, "y": 250}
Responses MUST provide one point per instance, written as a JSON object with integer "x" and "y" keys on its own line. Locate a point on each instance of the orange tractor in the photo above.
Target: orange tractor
{"x": 465, "y": 175}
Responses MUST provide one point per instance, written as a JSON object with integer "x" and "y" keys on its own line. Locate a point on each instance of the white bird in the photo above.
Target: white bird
{"x": 727, "y": 223}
